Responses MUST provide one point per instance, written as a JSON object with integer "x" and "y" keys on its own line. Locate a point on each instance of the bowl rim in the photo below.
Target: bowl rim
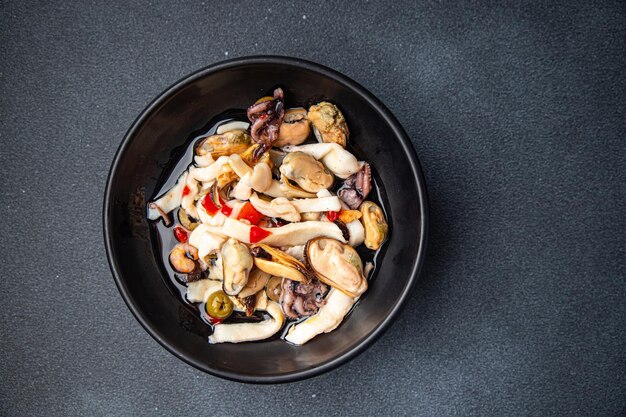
{"x": 404, "y": 142}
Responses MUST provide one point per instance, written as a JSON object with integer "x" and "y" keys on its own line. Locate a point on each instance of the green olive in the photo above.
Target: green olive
{"x": 219, "y": 306}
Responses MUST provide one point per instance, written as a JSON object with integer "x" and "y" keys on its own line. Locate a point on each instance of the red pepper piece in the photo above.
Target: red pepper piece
{"x": 186, "y": 191}
{"x": 213, "y": 320}
{"x": 227, "y": 210}
{"x": 332, "y": 215}
{"x": 257, "y": 234}
{"x": 209, "y": 205}
{"x": 248, "y": 212}
{"x": 181, "y": 234}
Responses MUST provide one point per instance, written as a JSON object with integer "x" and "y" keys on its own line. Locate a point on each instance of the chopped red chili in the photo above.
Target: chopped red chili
{"x": 248, "y": 212}
{"x": 332, "y": 215}
{"x": 213, "y": 320}
{"x": 257, "y": 234}
{"x": 181, "y": 234}
{"x": 226, "y": 209}
{"x": 209, "y": 205}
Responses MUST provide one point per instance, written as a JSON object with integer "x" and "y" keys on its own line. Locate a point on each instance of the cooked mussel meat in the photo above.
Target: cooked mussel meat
{"x": 236, "y": 265}
{"x": 306, "y": 171}
{"x": 336, "y": 264}
{"x": 295, "y": 128}
{"x": 273, "y": 288}
{"x": 328, "y": 122}
{"x": 356, "y": 187}
{"x": 228, "y": 143}
{"x": 278, "y": 263}
{"x": 256, "y": 282}
{"x": 375, "y": 225}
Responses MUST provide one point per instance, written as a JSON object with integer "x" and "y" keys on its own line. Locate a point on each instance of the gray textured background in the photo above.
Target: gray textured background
{"x": 517, "y": 114}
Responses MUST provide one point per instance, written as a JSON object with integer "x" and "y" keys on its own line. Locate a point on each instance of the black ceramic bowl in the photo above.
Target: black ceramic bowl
{"x": 151, "y": 148}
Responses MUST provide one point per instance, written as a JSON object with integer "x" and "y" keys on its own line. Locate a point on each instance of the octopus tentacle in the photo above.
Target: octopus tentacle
{"x": 257, "y": 126}
{"x": 256, "y": 109}
{"x": 356, "y": 187}
{"x": 287, "y": 298}
{"x": 162, "y": 213}
{"x": 364, "y": 180}
{"x": 266, "y": 118}
{"x": 300, "y": 299}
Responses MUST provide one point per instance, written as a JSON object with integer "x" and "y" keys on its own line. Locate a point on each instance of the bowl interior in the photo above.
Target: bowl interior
{"x": 152, "y": 147}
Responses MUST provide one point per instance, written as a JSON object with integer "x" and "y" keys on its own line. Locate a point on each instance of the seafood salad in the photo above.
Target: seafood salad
{"x": 269, "y": 219}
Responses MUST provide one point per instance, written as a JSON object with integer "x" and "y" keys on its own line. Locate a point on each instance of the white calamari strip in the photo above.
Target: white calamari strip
{"x": 206, "y": 218}
{"x": 205, "y": 186}
{"x": 206, "y": 240}
{"x": 295, "y": 251}
{"x": 258, "y": 179}
{"x": 237, "y": 229}
{"x": 261, "y": 178}
{"x": 170, "y": 200}
{"x": 216, "y": 271}
{"x": 278, "y": 207}
{"x": 275, "y": 190}
{"x": 317, "y": 204}
{"x": 290, "y": 209}
{"x": 198, "y": 291}
{"x": 357, "y": 233}
{"x": 248, "y": 332}
{"x": 338, "y": 160}
{"x": 234, "y": 125}
{"x": 291, "y": 234}
{"x": 203, "y": 161}
{"x": 327, "y": 319}
{"x": 241, "y": 191}
{"x": 294, "y": 234}
{"x": 236, "y": 206}
{"x": 239, "y": 166}
{"x": 187, "y": 201}
{"x": 209, "y": 173}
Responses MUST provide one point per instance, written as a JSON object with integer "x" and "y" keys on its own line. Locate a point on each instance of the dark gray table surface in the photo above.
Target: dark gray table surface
{"x": 517, "y": 113}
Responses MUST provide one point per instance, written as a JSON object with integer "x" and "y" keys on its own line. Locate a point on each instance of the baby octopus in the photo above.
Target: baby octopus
{"x": 300, "y": 299}
{"x": 356, "y": 187}
{"x": 266, "y": 116}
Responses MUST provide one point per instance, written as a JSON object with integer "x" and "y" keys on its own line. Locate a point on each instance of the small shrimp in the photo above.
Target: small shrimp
{"x": 184, "y": 258}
